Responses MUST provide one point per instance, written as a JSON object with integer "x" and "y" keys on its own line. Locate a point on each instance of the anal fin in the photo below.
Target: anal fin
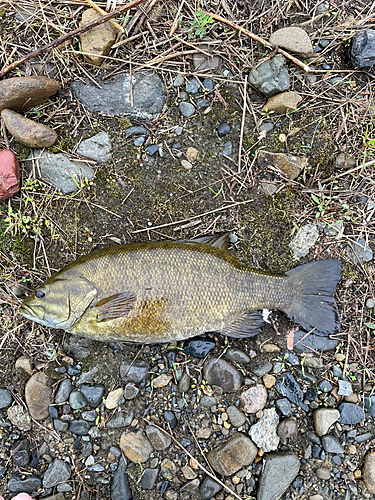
{"x": 247, "y": 325}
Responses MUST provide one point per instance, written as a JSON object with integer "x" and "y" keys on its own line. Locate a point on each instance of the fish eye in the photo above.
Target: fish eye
{"x": 39, "y": 294}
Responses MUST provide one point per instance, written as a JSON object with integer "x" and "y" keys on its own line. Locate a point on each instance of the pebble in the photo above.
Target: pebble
{"x": 208, "y": 84}
{"x": 239, "y": 451}
{"x": 283, "y": 103}
{"x": 168, "y": 469}
{"x": 28, "y": 132}
{"x": 359, "y": 251}
{"x": 287, "y": 428}
{"x": 158, "y": 439}
{"x": 264, "y": 432}
{"x": 236, "y": 417}
{"x": 121, "y": 419}
{"x": 57, "y": 472}
{"x": 6, "y": 399}
{"x": 261, "y": 370}
{"x": 325, "y": 386}
{"x": 267, "y": 127}
{"x": 120, "y": 489}
{"x": 287, "y": 386}
{"x": 134, "y": 371}
{"x": 24, "y": 363}
{"x": 184, "y": 383}
{"x": 93, "y": 394}
{"x": 317, "y": 342}
{"x": 324, "y": 418}
{"x": 193, "y": 86}
{"x": 38, "y": 396}
{"x": 332, "y": 445}
{"x": 179, "y": 80}
{"x": 130, "y": 391}
{"x": 21, "y": 93}
{"x": 291, "y": 165}
{"x": 345, "y": 388}
{"x": 9, "y": 174}
{"x": 363, "y": 49}
{"x": 60, "y": 425}
{"x": 149, "y": 478}
{"x": 19, "y": 417}
{"x": 77, "y": 400}
{"x": 199, "y": 347}
{"x": 202, "y": 62}
{"x": 305, "y": 239}
{"x": 271, "y": 348}
{"x": 370, "y": 303}
{"x": 314, "y": 363}
{"x": 186, "y": 164}
{"x": 136, "y": 130}
{"x": 188, "y": 472}
{"x": 278, "y": 472}
{"x": 209, "y": 487}
{"x": 236, "y": 355}
{"x": 269, "y": 381}
{"x": 351, "y": 414}
{"x": 20, "y": 452}
{"x": 284, "y": 406}
{"x": 162, "y": 380}
{"x": 207, "y": 401}
{"x": 113, "y": 398}
{"x": 114, "y": 96}
{"x": 96, "y": 42}
{"x": 186, "y": 109}
{"x": 191, "y": 154}
{"x": 254, "y": 399}
{"x": 228, "y": 148}
{"x": 223, "y": 129}
{"x": 323, "y": 473}
{"x": 136, "y": 447}
{"x": 170, "y": 418}
{"x": 63, "y": 391}
{"x": 270, "y": 76}
{"x": 190, "y": 486}
{"x": 138, "y": 141}
{"x": 216, "y": 371}
{"x": 96, "y": 148}
{"x": 293, "y": 39}
{"x": 79, "y": 427}
{"x": 368, "y": 472}
{"x": 29, "y": 485}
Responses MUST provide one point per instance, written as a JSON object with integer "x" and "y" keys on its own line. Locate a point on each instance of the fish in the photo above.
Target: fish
{"x": 163, "y": 291}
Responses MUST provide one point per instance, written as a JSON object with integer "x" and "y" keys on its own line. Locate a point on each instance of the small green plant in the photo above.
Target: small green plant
{"x": 199, "y": 24}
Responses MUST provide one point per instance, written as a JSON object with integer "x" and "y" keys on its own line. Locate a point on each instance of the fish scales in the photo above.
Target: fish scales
{"x": 163, "y": 291}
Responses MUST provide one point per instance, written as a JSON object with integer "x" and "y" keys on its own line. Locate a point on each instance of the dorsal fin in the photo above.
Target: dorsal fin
{"x": 220, "y": 241}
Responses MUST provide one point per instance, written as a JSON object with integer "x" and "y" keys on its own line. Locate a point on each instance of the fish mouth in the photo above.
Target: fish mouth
{"x": 37, "y": 314}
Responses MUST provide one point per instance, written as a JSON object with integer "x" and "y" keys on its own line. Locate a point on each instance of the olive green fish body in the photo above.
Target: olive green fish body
{"x": 160, "y": 292}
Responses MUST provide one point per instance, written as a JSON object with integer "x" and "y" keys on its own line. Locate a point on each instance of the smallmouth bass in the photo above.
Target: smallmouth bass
{"x": 172, "y": 290}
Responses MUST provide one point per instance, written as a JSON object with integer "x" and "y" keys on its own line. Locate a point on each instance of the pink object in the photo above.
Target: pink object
{"x": 9, "y": 176}
{"x": 20, "y": 496}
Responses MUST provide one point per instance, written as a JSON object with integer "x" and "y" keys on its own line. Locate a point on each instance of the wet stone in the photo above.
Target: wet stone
{"x": 96, "y": 148}
{"x": 264, "y": 432}
{"x": 261, "y": 370}
{"x": 114, "y": 97}
{"x": 287, "y": 386}
{"x": 77, "y": 400}
{"x": 6, "y": 399}
{"x": 323, "y": 419}
{"x": 199, "y": 347}
{"x": 136, "y": 447}
{"x": 232, "y": 455}
{"x": 279, "y": 471}
{"x": 271, "y": 76}
{"x": 236, "y": 417}
{"x": 79, "y": 427}
{"x": 254, "y": 399}
{"x": 57, "y": 472}
{"x": 351, "y": 414}
{"x": 149, "y": 479}
{"x": 38, "y": 396}
{"x": 20, "y": 453}
{"x": 120, "y": 489}
{"x": 284, "y": 406}
{"x": 93, "y": 394}
{"x": 29, "y": 485}
{"x": 134, "y": 371}
{"x": 159, "y": 439}
{"x": 311, "y": 395}
{"x": 170, "y": 418}
{"x": 332, "y": 445}
{"x": 186, "y": 109}
{"x": 209, "y": 487}
{"x": 216, "y": 371}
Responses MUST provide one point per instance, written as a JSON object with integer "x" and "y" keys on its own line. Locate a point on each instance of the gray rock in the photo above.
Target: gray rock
{"x": 6, "y": 399}
{"x": 363, "y": 49}
{"x": 370, "y": 303}
{"x": 130, "y": 391}
{"x": 279, "y": 470}
{"x": 351, "y": 414}
{"x": 93, "y": 394}
{"x": 186, "y": 109}
{"x": 97, "y": 148}
{"x": 359, "y": 251}
{"x": 261, "y": 370}
{"x": 287, "y": 386}
{"x": 201, "y": 61}
{"x": 267, "y": 127}
{"x": 232, "y": 455}
{"x": 264, "y": 432}
{"x": 193, "y": 86}
{"x": 323, "y": 473}
{"x": 79, "y": 427}
{"x": 184, "y": 383}
{"x": 207, "y": 401}
{"x": 314, "y": 363}
{"x": 305, "y": 238}
{"x": 59, "y": 170}
{"x": 77, "y": 400}
{"x": 120, "y": 419}
{"x": 316, "y": 342}
{"x": 57, "y": 472}
{"x": 135, "y": 131}
{"x": 284, "y": 406}
{"x": 60, "y": 425}
{"x": 287, "y": 428}
{"x": 236, "y": 417}
{"x": 208, "y": 84}
{"x": 293, "y": 39}
{"x": 216, "y": 371}
{"x": 363, "y": 437}
{"x": 134, "y": 371}
{"x": 90, "y": 415}
{"x": 138, "y": 141}
{"x": 29, "y": 485}
{"x": 158, "y": 438}
{"x": 332, "y": 445}
{"x": 370, "y": 405}
{"x": 228, "y": 148}
{"x": 149, "y": 478}
{"x": 345, "y": 388}
{"x": 114, "y": 97}
{"x": 209, "y": 488}
{"x": 80, "y": 347}
{"x": 271, "y": 76}
{"x": 179, "y": 80}
{"x": 190, "y": 486}
{"x": 120, "y": 489}
{"x": 63, "y": 392}
{"x": 324, "y": 418}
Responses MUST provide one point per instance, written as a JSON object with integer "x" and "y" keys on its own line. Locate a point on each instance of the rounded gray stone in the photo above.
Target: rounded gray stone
{"x": 6, "y": 399}
{"x": 279, "y": 471}
{"x": 216, "y": 371}
{"x": 186, "y": 109}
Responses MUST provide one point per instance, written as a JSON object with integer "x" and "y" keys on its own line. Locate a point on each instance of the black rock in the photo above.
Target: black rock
{"x": 199, "y": 347}
{"x": 170, "y": 418}
{"x": 209, "y": 488}
{"x": 287, "y": 386}
{"x": 29, "y": 485}
{"x": 149, "y": 478}
{"x": 316, "y": 451}
{"x": 284, "y": 406}
{"x": 79, "y": 427}
{"x": 151, "y": 150}
{"x": 223, "y": 129}
{"x": 324, "y": 43}
{"x": 363, "y": 49}
{"x": 53, "y": 413}
{"x": 311, "y": 395}
{"x": 93, "y": 394}
{"x": 21, "y": 452}
{"x": 6, "y": 399}
{"x": 171, "y": 358}
{"x": 72, "y": 371}
{"x": 57, "y": 472}
{"x": 351, "y": 414}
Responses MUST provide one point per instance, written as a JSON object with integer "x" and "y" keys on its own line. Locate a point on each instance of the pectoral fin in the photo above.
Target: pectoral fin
{"x": 115, "y": 306}
{"x": 247, "y": 325}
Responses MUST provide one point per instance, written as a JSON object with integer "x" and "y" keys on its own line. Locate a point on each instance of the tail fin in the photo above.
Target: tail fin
{"x": 313, "y": 305}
